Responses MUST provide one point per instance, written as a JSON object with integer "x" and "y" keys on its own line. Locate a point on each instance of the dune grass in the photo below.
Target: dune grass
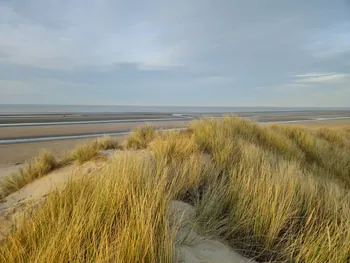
{"x": 47, "y": 162}
{"x": 86, "y": 152}
{"x": 41, "y": 165}
{"x": 119, "y": 216}
{"x": 332, "y": 135}
{"x": 274, "y": 193}
{"x": 173, "y": 146}
{"x": 266, "y": 201}
{"x": 141, "y": 137}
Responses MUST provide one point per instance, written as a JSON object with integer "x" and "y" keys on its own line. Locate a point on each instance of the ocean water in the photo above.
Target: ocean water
{"x": 34, "y": 108}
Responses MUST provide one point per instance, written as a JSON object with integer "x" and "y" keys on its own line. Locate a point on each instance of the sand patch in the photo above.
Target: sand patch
{"x": 191, "y": 247}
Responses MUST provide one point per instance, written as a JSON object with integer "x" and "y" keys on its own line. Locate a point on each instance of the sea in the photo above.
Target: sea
{"x": 36, "y": 108}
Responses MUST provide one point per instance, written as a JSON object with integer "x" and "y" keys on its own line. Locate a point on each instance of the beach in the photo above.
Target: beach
{"x": 51, "y": 129}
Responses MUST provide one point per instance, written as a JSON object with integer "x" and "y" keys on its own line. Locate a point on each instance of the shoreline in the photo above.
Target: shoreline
{"x": 128, "y": 131}
{"x": 18, "y": 153}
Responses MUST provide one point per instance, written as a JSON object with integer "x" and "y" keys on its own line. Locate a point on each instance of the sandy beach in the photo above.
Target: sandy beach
{"x": 11, "y": 154}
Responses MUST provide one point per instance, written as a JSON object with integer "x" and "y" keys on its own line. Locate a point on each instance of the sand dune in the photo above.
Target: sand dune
{"x": 191, "y": 247}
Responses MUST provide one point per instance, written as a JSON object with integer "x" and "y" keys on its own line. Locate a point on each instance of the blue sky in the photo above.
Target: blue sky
{"x": 159, "y": 52}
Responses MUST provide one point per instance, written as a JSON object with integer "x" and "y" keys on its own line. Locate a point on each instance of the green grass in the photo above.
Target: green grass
{"x": 274, "y": 193}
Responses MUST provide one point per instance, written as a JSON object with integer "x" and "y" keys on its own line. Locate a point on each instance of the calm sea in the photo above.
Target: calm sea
{"x": 29, "y": 109}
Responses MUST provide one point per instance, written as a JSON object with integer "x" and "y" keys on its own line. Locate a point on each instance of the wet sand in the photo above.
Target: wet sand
{"x": 73, "y": 117}
{"x": 11, "y": 154}
{"x": 16, "y": 154}
{"x": 330, "y": 124}
{"x": 79, "y": 129}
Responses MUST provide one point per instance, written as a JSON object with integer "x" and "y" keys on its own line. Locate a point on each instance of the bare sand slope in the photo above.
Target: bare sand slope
{"x": 191, "y": 247}
{"x": 67, "y": 130}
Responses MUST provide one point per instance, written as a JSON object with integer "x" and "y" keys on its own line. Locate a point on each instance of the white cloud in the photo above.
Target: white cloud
{"x": 314, "y": 74}
{"x": 322, "y": 78}
{"x": 172, "y": 46}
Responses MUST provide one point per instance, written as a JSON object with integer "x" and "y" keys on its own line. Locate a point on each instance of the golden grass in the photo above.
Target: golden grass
{"x": 41, "y": 165}
{"x": 107, "y": 143}
{"x": 121, "y": 215}
{"x": 331, "y": 135}
{"x": 141, "y": 137}
{"x": 86, "y": 152}
{"x": 265, "y": 201}
{"x": 174, "y": 146}
{"x": 275, "y": 193}
{"x": 46, "y": 163}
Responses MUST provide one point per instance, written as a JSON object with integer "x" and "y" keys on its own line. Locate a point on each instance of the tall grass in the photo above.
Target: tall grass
{"x": 266, "y": 203}
{"x": 141, "y": 137}
{"x": 121, "y": 215}
{"x": 88, "y": 151}
{"x": 174, "y": 146}
{"x": 332, "y": 135}
{"x": 41, "y": 165}
{"x": 46, "y": 162}
{"x": 274, "y": 193}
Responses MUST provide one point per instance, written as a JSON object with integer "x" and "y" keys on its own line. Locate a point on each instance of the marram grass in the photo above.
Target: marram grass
{"x": 274, "y": 193}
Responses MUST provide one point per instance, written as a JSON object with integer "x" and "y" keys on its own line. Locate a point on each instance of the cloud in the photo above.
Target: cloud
{"x": 322, "y": 78}
{"x": 180, "y": 51}
{"x": 314, "y": 75}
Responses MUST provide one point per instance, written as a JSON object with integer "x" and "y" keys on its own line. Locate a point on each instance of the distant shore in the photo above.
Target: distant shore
{"x": 11, "y": 154}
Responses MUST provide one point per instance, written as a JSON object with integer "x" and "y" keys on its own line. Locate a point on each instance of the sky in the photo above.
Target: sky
{"x": 181, "y": 52}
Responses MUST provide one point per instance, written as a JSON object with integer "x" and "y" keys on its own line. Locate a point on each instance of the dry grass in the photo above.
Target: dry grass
{"x": 46, "y": 163}
{"x": 41, "y": 165}
{"x": 86, "y": 152}
{"x": 107, "y": 143}
{"x": 332, "y": 135}
{"x": 275, "y": 193}
{"x": 174, "y": 146}
{"x": 265, "y": 201}
{"x": 119, "y": 216}
{"x": 89, "y": 151}
{"x": 141, "y": 137}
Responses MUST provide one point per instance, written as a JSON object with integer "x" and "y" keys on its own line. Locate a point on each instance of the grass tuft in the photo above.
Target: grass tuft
{"x": 331, "y": 135}
{"x": 174, "y": 146}
{"x": 86, "y": 152}
{"x": 41, "y": 165}
{"x": 141, "y": 137}
{"x": 46, "y": 163}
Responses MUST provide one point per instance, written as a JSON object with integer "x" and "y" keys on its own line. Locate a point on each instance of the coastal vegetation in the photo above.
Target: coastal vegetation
{"x": 274, "y": 193}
